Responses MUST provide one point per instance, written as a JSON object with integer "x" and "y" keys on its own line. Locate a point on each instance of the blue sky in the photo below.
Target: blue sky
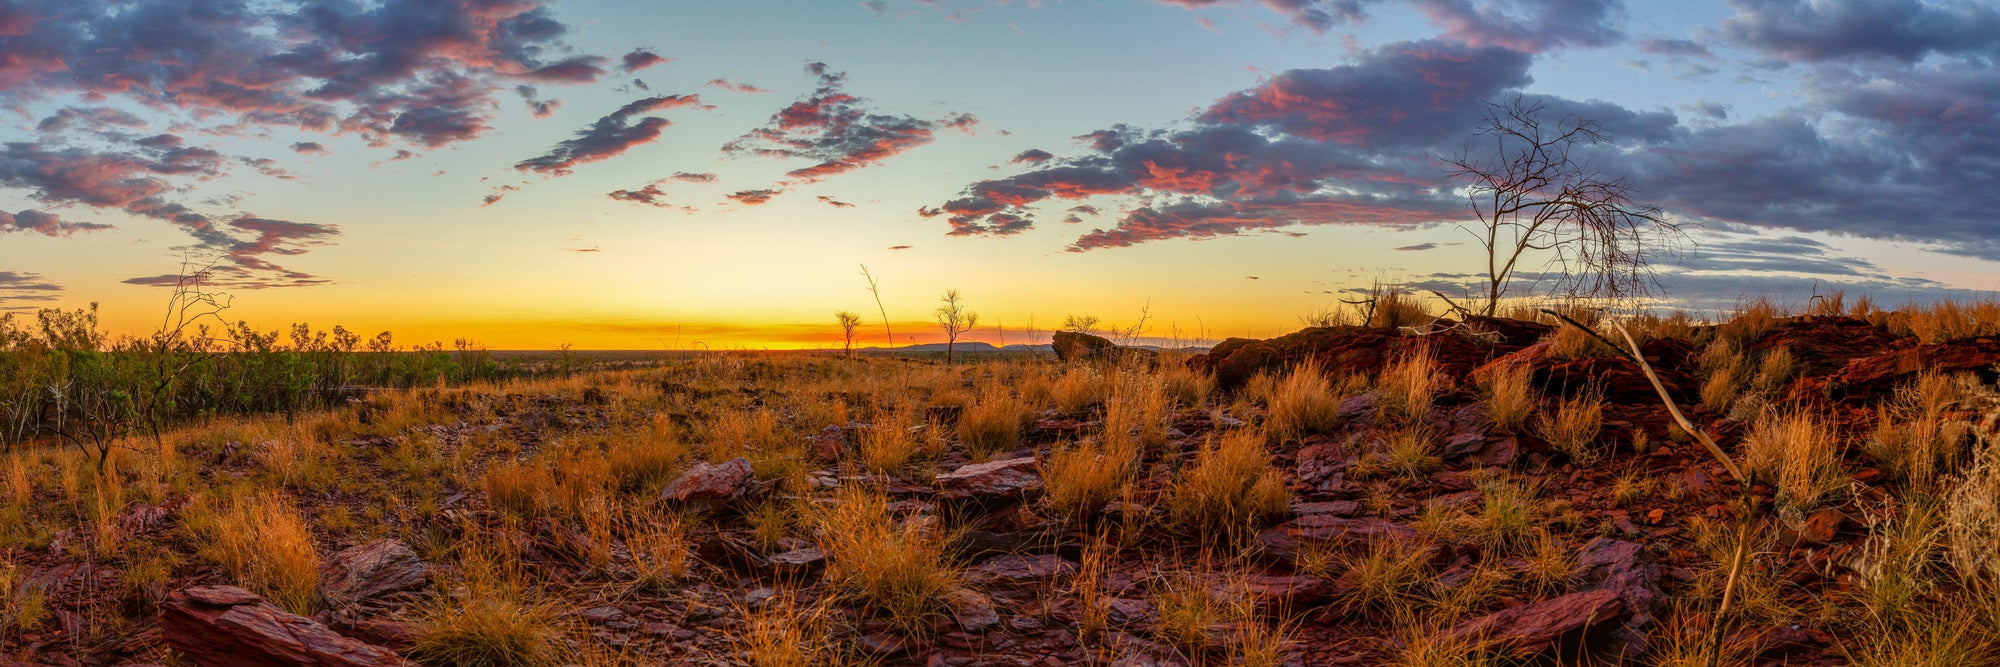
{"x": 1836, "y": 144}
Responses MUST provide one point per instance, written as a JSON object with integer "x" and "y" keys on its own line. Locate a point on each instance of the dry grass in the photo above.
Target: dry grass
{"x": 23, "y": 607}
{"x": 1303, "y": 404}
{"x": 1411, "y": 452}
{"x": 1574, "y": 425}
{"x": 889, "y": 445}
{"x": 992, "y": 425}
{"x": 1230, "y": 488}
{"x": 497, "y": 621}
{"x": 784, "y": 633}
{"x": 264, "y": 544}
{"x": 1510, "y": 395}
{"x": 1411, "y": 384}
{"x": 647, "y": 461}
{"x": 1078, "y": 390}
{"x": 661, "y": 553}
{"x": 1799, "y": 454}
{"x": 1137, "y": 416}
{"x": 1387, "y": 576}
{"x": 895, "y": 569}
{"x": 1079, "y": 479}
{"x": 1914, "y": 440}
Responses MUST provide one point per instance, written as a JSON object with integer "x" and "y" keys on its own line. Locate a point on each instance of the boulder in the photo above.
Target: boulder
{"x": 1532, "y": 629}
{"x": 1079, "y": 346}
{"x": 1621, "y": 567}
{"x": 370, "y": 570}
{"x": 1879, "y": 374}
{"x": 226, "y": 626}
{"x": 711, "y": 482}
{"x": 1004, "y": 479}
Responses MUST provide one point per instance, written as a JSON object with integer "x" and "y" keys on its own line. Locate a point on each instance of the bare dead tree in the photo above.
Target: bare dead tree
{"x": 1538, "y": 192}
{"x": 874, "y": 289}
{"x": 954, "y": 319}
{"x": 848, "y": 323}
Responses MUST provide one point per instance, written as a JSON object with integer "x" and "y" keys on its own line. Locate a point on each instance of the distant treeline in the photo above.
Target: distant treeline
{"x": 61, "y": 378}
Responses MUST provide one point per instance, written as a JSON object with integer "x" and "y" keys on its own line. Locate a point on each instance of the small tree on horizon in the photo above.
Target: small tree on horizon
{"x": 1535, "y": 191}
{"x": 955, "y": 320}
{"x": 848, "y": 323}
{"x": 875, "y": 290}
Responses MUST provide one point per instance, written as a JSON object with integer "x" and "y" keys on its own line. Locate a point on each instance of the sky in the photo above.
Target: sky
{"x": 670, "y": 175}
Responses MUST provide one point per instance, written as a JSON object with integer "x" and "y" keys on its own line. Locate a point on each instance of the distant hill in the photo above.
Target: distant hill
{"x": 979, "y": 347}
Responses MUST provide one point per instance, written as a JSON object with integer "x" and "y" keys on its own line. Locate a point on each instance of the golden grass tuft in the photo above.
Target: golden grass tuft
{"x": 1799, "y": 454}
{"x": 783, "y": 633}
{"x": 661, "y": 553}
{"x": 1573, "y": 426}
{"x": 1411, "y": 384}
{"x": 1387, "y": 576}
{"x": 1231, "y": 487}
{"x": 889, "y": 445}
{"x": 898, "y": 570}
{"x": 1078, "y": 390}
{"x": 1303, "y": 404}
{"x": 992, "y": 425}
{"x": 265, "y": 544}
{"x": 1510, "y": 394}
{"x": 496, "y": 621}
{"x": 1079, "y": 479}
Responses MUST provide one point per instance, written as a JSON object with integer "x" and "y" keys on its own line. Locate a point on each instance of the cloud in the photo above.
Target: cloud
{"x": 838, "y": 131}
{"x": 88, "y": 117}
{"x": 830, "y": 201}
{"x": 900, "y": 247}
{"x": 1529, "y": 26}
{"x": 1032, "y": 156}
{"x": 1353, "y": 144}
{"x": 610, "y": 136}
{"x": 1418, "y": 247}
{"x": 1905, "y": 30}
{"x": 640, "y": 59}
{"x": 422, "y": 72}
{"x": 1671, "y": 47}
{"x": 1316, "y": 15}
{"x": 650, "y": 195}
{"x": 46, "y": 224}
{"x": 309, "y": 148}
{"x": 497, "y": 194}
{"x": 540, "y": 107}
{"x": 1075, "y": 213}
{"x": 19, "y": 286}
{"x": 735, "y": 87}
{"x": 753, "y": 197}
{"x": 692, "y": 177}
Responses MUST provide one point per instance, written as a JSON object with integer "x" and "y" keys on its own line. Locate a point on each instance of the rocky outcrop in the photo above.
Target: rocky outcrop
{"x": 225, "y": 626}
{"x": 373, "y": 569}
{"x": 1351, "y": 350}
{"x": 1284, "y": 540}
{"x": 1079, "y": 346}
{"x": 992, "y": 480}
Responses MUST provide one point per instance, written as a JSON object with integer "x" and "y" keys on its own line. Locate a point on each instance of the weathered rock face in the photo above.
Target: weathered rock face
{"x": 1284, "y": 540}
{"x": 992, "y": 480}
{"x": 225, "y": 626}
{"x": 1350, "y": 349}
{"x": 1532, "y": 629}
{"x": 1079, "y": 346}
{"x": 1881, "y": 373}
{"x": 1019, "y": 568}
{"x": 369, "y": 570}
{"x": 829, "y": 444}
{"x": 707, "y": 482}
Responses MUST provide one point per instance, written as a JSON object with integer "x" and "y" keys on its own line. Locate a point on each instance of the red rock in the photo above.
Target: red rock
{"x": 1531, "y": 629}
{"x": 1016, "y": 567}
{"x": 1273, "y": 593}
{"x": 369, "y": 570}
{"x": 1283, "y": 541}
{"x": 1350, "y": 349}
{"x": 225, "y": 626}
{"x": 1880, "y": 374}
{"x": 709, "y": 482}
{"x": 829, "y": 444}
{"x": 1010, "y": 478}
{"x": 973, "y": 610}
{"x": 1822, "y": 526}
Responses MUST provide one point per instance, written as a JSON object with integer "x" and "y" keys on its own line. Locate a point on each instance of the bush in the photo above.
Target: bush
{"x": 1231, "y": 487}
